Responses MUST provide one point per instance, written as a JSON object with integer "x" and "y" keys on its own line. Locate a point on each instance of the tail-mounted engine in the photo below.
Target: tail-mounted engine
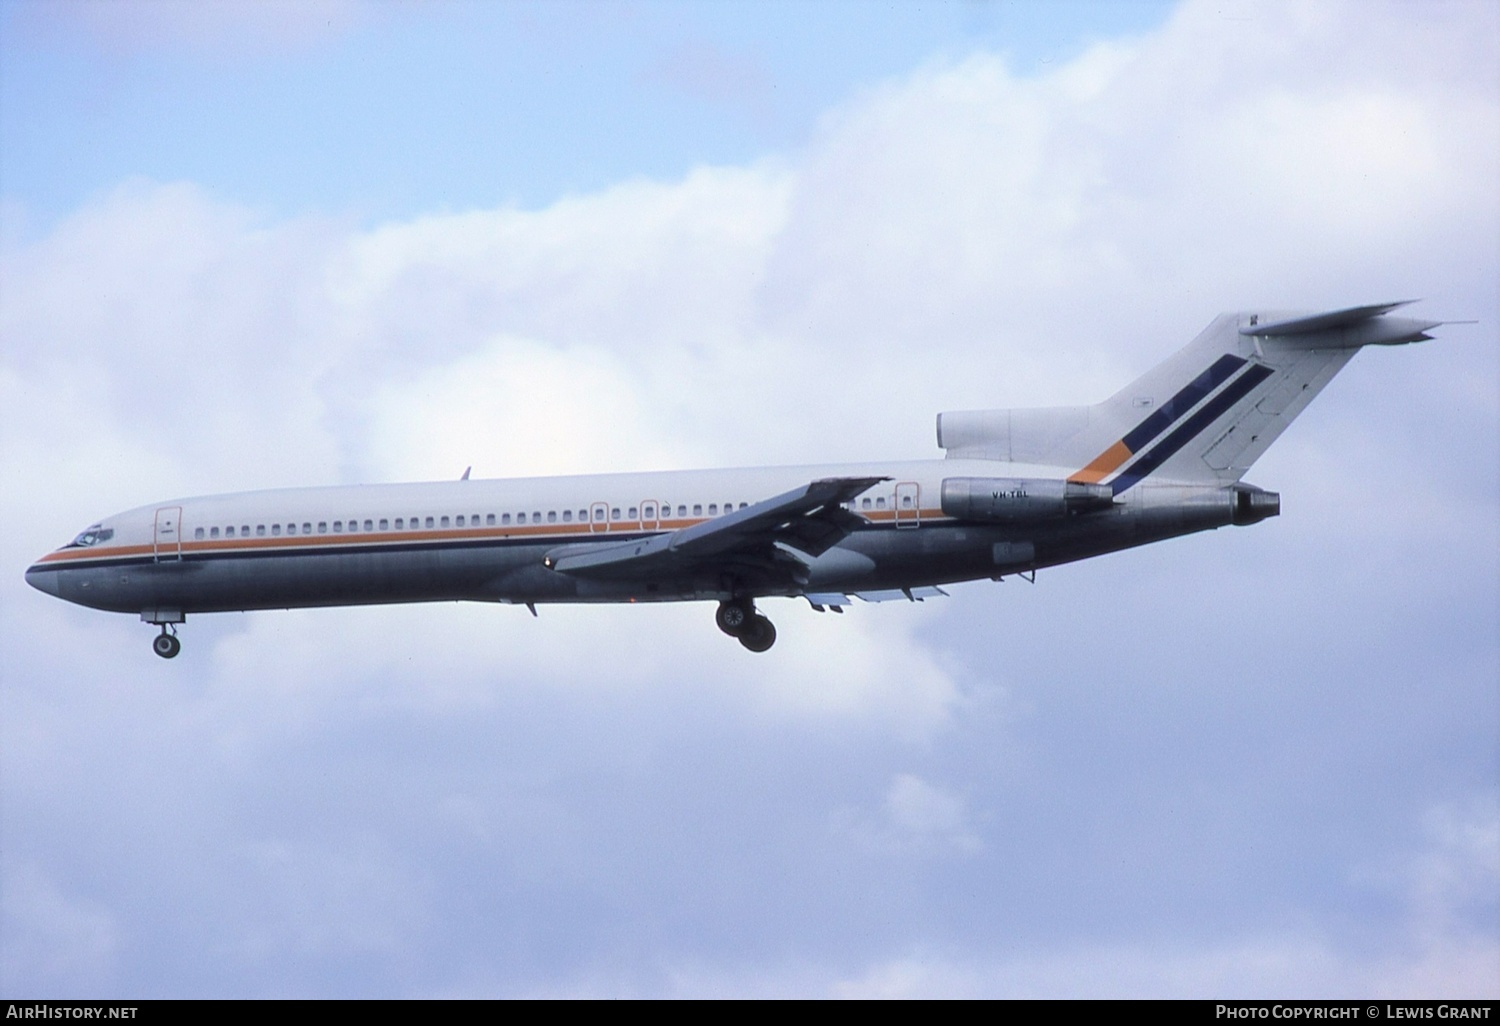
{"x": 1016, "y": 500}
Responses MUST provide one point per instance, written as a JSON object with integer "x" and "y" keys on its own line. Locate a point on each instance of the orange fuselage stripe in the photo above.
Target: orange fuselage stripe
{"x": 263, "y": 543}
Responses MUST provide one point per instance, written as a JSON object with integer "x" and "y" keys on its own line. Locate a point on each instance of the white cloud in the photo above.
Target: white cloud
{"x": 1447, "y": 954}
{"x": 54, "y": 941}
{"x": 960, "y": 237}
{"x": 1441, "y": 882}
{"x": 517, "y": 408}
{"x": 319, "y": 902}
{"x": 1270, "y": 969}
{"x": 916, "y": 817}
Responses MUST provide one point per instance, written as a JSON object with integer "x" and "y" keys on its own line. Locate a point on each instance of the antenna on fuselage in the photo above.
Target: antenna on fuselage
{"x": 466, "y": 473}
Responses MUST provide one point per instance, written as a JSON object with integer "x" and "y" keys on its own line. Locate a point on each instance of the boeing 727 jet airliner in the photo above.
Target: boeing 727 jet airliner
{"x": 1017, "y": 490}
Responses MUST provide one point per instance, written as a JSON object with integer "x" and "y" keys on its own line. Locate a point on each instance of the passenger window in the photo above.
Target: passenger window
{"x": 567, "y": 516}
{"x": 459, "y": 522}
{"x": 198, "y": 533}
{"x": 473, "y": 519}
{"x": 682, "y": 511}
{"x": 632, "y": 515}
{"x": 713, "y": 509}
{"x": 276, "y": 530}
{"x": 229, "y": 531}
{"x": 385, "y": 525}
{"x": 697, "y": 509}
{"x": 213, "y": 532}
{"x": 583, "y": 515}
{"x": 291, "y": 528}
{"x": 307, "y": 528}
{"x": 445, "y": 521}
{"x": 505, "y": 518}
{"x": 552, "y": 516}
{"x": 322, "y": 527}
{"x": 614, "y": 514}
{"x": 880, "y": 502}
{"x": 742, "y": 505}
{"x": 865, "y": 503}
{"x": 536, "y": 518}
{"x": 648, "y": 511}
{"x": 400, "y": 523}
{"x": 429, "y": 522}
{"x": 260, "y": 530}
{"x": 369, "y": 526}
{"x": 338, "y": 527}
{"x": 906, "y": 502}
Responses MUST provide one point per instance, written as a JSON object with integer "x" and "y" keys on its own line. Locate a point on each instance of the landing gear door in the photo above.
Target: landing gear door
{"x": 908, "y": 504}
{"x": 167, "y": 541}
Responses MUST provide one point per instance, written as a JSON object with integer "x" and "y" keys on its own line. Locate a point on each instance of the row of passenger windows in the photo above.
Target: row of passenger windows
{"x": 647, "y": 512}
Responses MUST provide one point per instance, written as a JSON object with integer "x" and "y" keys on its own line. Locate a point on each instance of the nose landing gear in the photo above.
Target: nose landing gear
{"x": 738, "y": 619}
{"x": 166, "y": 644}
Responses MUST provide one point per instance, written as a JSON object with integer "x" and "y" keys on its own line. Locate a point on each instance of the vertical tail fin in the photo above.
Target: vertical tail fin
{"x": 1204, "y": 415}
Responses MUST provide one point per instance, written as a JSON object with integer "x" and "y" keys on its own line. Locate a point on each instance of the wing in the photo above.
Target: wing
{"x": 809, "y": 520}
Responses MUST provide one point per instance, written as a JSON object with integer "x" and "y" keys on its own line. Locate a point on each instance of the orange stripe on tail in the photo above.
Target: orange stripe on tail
{"x": 1106, "y": 463}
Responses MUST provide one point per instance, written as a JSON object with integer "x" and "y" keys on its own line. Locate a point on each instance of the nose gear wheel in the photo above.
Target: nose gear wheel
{"x": 166, "y": 644}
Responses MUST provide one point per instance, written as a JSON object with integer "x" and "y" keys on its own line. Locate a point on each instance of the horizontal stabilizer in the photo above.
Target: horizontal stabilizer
{"x": 1323, "y": 321}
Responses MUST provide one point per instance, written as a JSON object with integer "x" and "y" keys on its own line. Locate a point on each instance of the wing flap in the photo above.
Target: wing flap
{"x": 898, "y": 594}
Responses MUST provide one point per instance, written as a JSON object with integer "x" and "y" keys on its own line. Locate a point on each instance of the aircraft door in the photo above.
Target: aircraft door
{"x": 167, "y": 539}
{"x": 649, "y": 515}
{"x": 599, "y": 517}
{"x": 908, "y": 504}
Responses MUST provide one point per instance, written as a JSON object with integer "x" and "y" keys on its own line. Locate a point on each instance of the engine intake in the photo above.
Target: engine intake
{"x": 1014, "y": 499}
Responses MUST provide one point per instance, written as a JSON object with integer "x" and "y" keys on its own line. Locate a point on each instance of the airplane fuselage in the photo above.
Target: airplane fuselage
{"x": 487, "y": 540}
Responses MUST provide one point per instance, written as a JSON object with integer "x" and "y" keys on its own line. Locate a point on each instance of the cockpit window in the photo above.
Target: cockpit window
{"x": 93, "y": 536}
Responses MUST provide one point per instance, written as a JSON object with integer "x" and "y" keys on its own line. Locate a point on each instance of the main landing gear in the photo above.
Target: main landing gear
{"x": 738, "y": 619}
{"x": 166, "y": 644}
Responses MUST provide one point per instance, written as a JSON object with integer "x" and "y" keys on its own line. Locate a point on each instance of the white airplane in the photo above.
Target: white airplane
{"x": 1017, "y": 490}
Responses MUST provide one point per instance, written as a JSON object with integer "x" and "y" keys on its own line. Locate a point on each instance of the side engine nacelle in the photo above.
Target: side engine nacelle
{"x": 1014, "y": 499}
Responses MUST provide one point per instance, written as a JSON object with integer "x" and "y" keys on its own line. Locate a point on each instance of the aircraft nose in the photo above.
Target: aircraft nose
{"x": 42, "y": 580}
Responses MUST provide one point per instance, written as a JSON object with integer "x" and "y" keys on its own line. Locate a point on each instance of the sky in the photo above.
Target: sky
{"x": 265, "y": 245}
